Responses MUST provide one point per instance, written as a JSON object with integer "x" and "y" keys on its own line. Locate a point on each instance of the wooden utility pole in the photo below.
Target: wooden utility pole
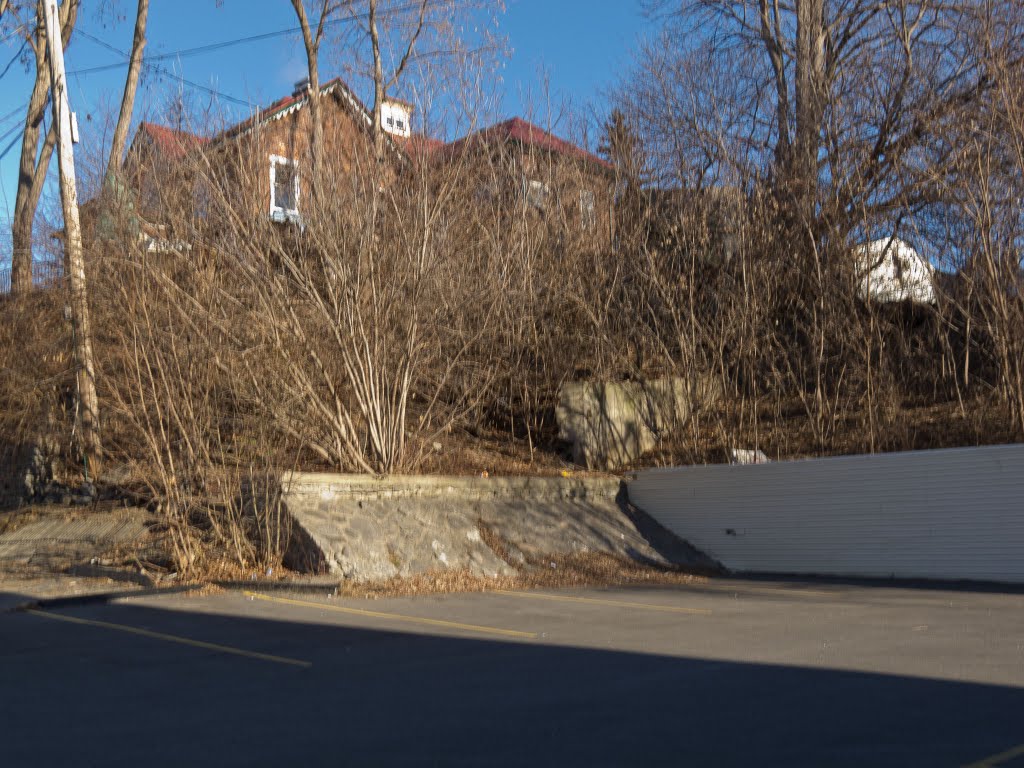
{"x": 74, "y": 264}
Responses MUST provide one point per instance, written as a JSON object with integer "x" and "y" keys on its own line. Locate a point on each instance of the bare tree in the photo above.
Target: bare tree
{"x": 835, "y": 103}
{"x": 784, "y": 134}
{"x": 131, "y": 84}
{"x": 381, "y": 84}
{"x": 36, "y": 145}
{"x": 311, "y": 41}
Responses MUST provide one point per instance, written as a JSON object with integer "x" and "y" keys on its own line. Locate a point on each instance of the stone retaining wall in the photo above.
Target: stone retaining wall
{"x": 367, "y": 528}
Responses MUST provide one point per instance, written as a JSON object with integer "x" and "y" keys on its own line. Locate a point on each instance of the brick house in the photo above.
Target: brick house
{"x": 552, "y": 181}
{"x": 560, "y": 184}
{"x": 267, "y": 155}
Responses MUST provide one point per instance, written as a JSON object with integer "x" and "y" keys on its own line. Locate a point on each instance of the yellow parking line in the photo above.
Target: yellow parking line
{"x": 1002, "y": 757}
{"x": 601, "y": 601}
{"x": 767, "y": 590}
{"x": 397, "y": 617}
{"x": 171, "y": 638}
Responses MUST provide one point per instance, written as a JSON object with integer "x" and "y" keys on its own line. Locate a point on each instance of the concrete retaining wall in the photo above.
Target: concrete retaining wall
{"x": 947, "y": 514}
{"x": 368, "y": 528}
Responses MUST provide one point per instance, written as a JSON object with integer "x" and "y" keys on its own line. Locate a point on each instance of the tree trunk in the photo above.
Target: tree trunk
{"x": 771, "y": 36}
{"x": 131, "y": 85}
{"x": 311, "y": 43}
{"x": 35, "y": 159}
{"x": 810, "y": 103}
{"x": 30, "y": 188}
{"x": 378, "y": 86}
{"x": 31, "y": 172}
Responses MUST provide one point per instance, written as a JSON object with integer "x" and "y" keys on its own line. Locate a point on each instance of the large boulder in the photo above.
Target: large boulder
{"x": 612, "y": 424}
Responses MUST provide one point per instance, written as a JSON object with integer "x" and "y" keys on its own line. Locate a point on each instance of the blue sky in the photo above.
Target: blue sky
{"x": 581, "y": 46}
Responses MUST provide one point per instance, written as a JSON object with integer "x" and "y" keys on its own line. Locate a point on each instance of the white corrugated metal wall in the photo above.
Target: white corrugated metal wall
{"x": 947, "y": 514}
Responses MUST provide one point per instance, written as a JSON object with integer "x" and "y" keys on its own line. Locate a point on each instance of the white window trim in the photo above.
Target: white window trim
{"x": 396, "y": 119}
{"x": 287, "y": 214}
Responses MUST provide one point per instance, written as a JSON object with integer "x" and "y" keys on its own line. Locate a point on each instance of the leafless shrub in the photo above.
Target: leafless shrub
{"x": 879, "y": 108}
{"x": 434, "y": 296}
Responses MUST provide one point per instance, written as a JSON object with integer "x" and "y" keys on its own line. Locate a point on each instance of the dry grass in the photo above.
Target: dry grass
{"x": 12, "y": 521}
{"x": 783, "y": 432}
{"x": 556, "y": 572}
{"x": 427, "y": 324}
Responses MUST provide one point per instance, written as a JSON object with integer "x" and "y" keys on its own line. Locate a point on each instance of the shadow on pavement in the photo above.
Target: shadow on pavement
{"x": 85, "y": 695}
{"x": 979, "y": 587}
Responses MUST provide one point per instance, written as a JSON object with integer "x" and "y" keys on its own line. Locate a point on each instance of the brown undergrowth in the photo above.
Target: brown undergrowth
{"x": 554, "y": 572}
{"x": 782, "y": 432}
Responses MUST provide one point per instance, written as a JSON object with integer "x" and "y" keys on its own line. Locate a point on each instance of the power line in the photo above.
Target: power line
{"x": 103, "y": 43}
{"x": 9, "y": 131}
{"x": 185, "y": 52}
{"x": 164, "y": 71}
{"x": 17, "y": 127}
{"x": 14, "y": 58}
{"x": 3, "y": 153}
{"x": 12, "y": 113}
{"x": 201, "y": 49}
{"x": 209, "y": 47}
{"x": 201, "y": 87}
{"x": 13, "y": 33}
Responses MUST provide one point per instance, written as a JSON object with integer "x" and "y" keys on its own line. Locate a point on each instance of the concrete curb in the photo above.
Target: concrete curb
{"x": 301, "y": 587}
{"x": 97, "y": 598}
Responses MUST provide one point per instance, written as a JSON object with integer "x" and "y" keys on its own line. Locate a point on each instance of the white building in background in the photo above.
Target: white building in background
{"x": 890, "y": 271}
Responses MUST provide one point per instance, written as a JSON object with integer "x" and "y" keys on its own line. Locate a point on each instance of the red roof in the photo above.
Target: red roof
{"x": 527, "y": 134}
{"x": 177, "y": 143}
{"x": 417, "y": 146}
{"x": 174, "y": 144}
{"x": 281, "y": 105}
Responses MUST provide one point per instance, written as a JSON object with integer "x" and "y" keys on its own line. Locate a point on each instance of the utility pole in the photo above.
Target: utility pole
{"x": 74, "y": 264}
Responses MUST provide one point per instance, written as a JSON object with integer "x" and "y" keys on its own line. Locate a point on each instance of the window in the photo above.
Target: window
{"x": 284, "y": 189}
{"x": 395, "y": 117}
{"x": 588, "y": 209}
{"x": 537, "y": 193}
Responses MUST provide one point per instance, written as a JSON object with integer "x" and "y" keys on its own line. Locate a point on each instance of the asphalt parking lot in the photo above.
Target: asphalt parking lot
{"x": 731, "y": 672}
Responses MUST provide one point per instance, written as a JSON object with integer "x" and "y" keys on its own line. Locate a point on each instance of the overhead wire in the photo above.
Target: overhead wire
{"x": 185, "y": 53}
{"x": 5, "y": 150}
{"x": 16, "y": 127}
{"x": 209, "y": 47}
{"x": 21, "y": 50}
{"x": 12, "y": 113}
{"x": 163, "y": 71}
